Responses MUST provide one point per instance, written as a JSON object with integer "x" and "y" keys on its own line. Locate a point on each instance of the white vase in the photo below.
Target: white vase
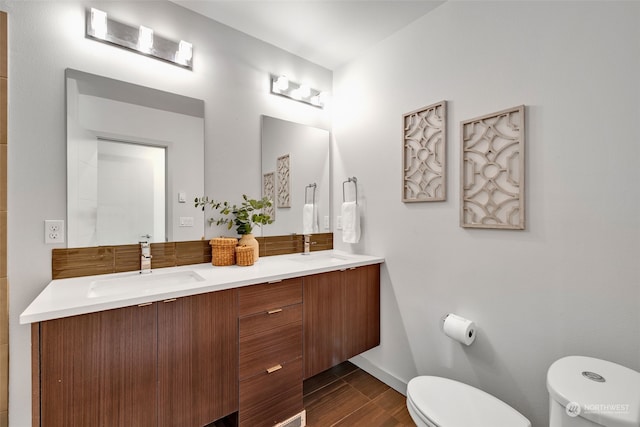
{"x": 249, "y": 240}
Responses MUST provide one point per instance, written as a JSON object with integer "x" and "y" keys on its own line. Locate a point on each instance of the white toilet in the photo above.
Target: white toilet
{"x": 441, "y": 402}
{"x": 588, "y": 392}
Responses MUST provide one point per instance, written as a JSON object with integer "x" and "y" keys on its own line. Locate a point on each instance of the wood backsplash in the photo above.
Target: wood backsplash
{"x": 77, "y": 262}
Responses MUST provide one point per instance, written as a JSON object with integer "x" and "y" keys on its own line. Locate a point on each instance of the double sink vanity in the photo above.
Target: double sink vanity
{"x": 186, "y": 346}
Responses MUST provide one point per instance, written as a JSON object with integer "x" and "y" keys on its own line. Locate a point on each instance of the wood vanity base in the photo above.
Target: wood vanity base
{"x": 193, "y": 360}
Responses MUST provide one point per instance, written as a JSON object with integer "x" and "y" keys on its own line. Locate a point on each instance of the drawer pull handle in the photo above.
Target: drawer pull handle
{"x": 277, "y": 310}
{"x": 145, "y": 304}
{"x": 273, "y": 369}
{"x": 274, "y": 281}
{"x": 170, "y": 300}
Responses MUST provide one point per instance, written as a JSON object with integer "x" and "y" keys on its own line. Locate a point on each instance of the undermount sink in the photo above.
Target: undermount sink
{"x": 319, "y": 256}
{"x": 141, "y": 283}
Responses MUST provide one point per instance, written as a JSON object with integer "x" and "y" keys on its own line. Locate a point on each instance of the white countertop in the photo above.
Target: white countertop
{"x": 81, "y": 295}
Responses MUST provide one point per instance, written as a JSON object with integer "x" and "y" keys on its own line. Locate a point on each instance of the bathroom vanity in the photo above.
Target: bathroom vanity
{"x": 190, "y": 345}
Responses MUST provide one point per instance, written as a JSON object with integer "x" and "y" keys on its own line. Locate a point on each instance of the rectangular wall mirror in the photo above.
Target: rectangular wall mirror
{"x": 295, "y": 173}
{"x": 134, "y": 163}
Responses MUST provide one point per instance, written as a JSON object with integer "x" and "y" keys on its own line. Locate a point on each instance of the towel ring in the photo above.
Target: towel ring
{"x": 355, "y": 185}
{"x": 313, "y": 199}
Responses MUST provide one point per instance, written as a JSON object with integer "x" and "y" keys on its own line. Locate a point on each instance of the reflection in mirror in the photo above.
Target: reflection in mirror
{"x": 294, "y": 158}
{"x": 131, "y": 150}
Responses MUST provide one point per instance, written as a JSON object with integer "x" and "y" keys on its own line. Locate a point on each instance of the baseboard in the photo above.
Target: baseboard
{"x": 389, "y": 379}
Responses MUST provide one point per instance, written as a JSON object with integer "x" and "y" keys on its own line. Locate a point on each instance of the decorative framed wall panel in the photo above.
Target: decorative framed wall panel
{"x": 283, "y": 168}
{"x": 269, "y": 190}
{"x": 492, "y": 170}
{"x": 424, "y": 143}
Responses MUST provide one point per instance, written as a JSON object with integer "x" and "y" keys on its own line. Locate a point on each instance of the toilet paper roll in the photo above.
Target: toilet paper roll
{"x": 459, "y": 329}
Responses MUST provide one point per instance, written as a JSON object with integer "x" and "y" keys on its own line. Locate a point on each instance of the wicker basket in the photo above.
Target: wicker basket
{"x": 223, "y": 250}
{"x": 244, "y": 255}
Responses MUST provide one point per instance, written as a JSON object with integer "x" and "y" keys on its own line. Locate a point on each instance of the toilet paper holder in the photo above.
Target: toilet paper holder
{"x": 442, "y": 319}
{"x": 459, "y": 328}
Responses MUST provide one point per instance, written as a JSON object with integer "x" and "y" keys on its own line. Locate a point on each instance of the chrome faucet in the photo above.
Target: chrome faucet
{"x": 145, "y": 258}
{"x": 307, "y": 244}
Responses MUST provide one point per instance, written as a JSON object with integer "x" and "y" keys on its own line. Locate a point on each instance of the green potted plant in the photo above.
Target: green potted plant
{"x": 244, "y": 217}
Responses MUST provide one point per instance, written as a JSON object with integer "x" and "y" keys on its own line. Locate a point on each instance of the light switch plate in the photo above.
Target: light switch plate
{"x": 186, "y": 221}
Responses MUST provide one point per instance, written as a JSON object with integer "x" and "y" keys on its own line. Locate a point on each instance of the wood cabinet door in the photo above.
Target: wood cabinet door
{"x": 197, "y": 359}
{"x": 323, "y": 315}
{"x": 99, "y": 369}
{"x": 362, "y": 309}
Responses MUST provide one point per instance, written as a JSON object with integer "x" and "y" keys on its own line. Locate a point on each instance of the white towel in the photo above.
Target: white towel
{"x": 308, "y": 218}
{"x": 350, "y": 222}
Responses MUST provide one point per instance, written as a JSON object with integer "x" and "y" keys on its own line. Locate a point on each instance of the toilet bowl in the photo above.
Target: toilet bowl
{"x": 589, "y": 392}
{"x": 441, "y": 402}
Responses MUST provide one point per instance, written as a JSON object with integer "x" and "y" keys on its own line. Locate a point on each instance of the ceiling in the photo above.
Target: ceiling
{"x": 326, "y": 32}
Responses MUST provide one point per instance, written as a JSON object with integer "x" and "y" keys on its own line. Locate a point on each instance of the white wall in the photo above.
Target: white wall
{"x": 231, "y": 74}
{"x": 569, "y": 283}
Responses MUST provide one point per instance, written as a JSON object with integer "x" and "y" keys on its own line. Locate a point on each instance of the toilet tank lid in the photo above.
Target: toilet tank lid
{"x": 607, "y": 393}
{"x": 446, "y": 402}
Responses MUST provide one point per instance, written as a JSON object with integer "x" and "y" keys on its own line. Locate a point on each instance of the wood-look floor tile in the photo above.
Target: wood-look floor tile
{"x": 369, "y": 415}
{"x": 370, "y": 402}
{"x": 318, "y": 381}
{"x": 395, "y": 404}
{"x": 342, "y": 401}
{"x": 312, "y": 398}
{"x": 366, "y": 384}
{"x": 344, "y": 368}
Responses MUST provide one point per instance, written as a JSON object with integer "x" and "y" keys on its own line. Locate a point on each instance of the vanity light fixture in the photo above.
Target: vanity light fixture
{"x": 281, "y": 85}
{"x": 145, "y": 39}
{"x": 142, "y": 40}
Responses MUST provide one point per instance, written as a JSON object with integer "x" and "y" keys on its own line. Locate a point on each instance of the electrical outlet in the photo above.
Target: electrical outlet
{"x": 54, "y": 231}
{"x": 339, "y": 222}
{"x": 326, "y": 222}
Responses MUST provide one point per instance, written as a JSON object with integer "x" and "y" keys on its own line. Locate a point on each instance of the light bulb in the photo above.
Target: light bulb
{"x": 99, "y": 23}
{"x": 305, "y": 91}
{"x": 283, "y": 83}
{"x": 185, "y": 52}
{"x": 145, "y": 39}
{"x": 295, "y": 94}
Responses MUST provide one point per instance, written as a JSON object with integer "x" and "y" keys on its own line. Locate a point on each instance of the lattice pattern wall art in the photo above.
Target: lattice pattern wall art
{"x": 424, "y": 152}
{"x": 492, "y": 169}
{"x": 284, "y": 187}
{"x": 269, "y": 190}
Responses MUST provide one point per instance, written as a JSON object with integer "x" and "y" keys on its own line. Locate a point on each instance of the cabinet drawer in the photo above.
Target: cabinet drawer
{"x": 259, "y": 352}
{"x": 257, "y": 298}
{"x": 267, "y": 320}
{"x": 267, "y": 399}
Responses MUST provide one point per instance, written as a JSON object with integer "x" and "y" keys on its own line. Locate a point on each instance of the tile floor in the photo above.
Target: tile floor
{"x": 347, "y": 396}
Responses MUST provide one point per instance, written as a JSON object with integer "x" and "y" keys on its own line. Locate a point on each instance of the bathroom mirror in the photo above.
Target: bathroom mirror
{"x": 134, "y": 163}
{"x": 295, "y": 173}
